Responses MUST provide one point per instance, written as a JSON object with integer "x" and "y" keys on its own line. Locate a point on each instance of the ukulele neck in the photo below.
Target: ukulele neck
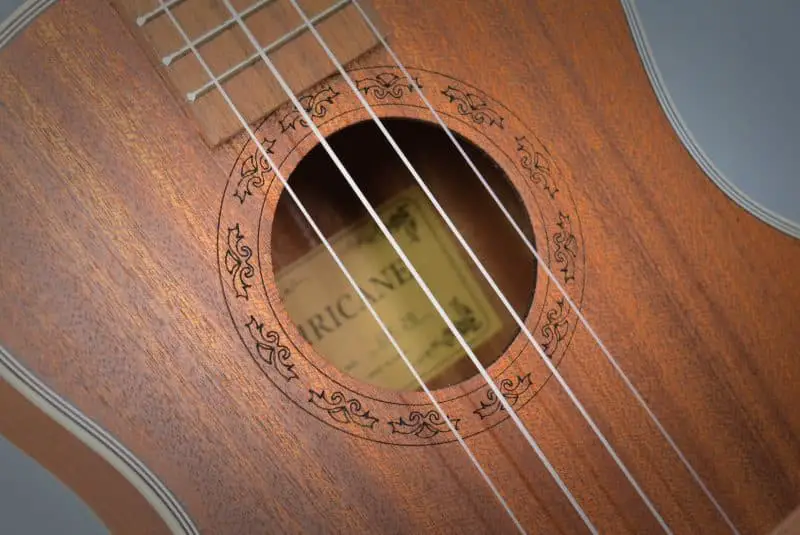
{"x": 218, "y": 37}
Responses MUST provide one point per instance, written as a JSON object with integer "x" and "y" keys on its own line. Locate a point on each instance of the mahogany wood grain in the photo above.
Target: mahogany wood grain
{"x": 111, "y": 292}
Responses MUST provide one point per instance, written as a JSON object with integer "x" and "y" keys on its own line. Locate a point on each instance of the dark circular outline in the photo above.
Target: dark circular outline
{"x": 499, "y": 373}
{"x": 526, "y": 343}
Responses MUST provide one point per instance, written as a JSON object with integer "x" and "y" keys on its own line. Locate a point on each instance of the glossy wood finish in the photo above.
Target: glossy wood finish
{"x": 111, "y": 293}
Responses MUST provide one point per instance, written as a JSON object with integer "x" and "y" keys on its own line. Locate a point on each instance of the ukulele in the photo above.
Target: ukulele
{"x": 331, "y": 266}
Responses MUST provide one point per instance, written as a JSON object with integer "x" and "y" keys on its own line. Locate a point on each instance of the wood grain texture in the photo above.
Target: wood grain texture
{"x": 111, "y": 293}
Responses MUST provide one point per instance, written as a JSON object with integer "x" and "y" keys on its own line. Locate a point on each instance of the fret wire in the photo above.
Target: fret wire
{"x": 233, "y": 71}
{"x": 342, "y": 267}
{"x": 168, "y": 59}
{"x": 147, "y": 17}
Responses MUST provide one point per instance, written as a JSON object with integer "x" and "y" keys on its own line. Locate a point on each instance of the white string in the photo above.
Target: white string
{"x": 485, "y": 273}
{"x": 347, "y": 274}
{"x": 388, "y": 235}
{"x": 274, "y": 45}
{"x": 213, "y": 32}
{"x": 147, "y": 17}
{"x": 615, "y": 364}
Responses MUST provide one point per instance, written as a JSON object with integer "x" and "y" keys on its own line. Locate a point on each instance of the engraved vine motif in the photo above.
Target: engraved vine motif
{"x": 556, "y": 328}
{"x": 386, "y": 84}
{"x": 474, "y": 106}
{"x": 343, "y": 410}
{"x": 270, "y": 350}
{"x": 511, "y": 390}
{"x": 237, "y": 261}
{"x": 425, "y": 426}
{"x": 316, "y": 106}
{"x": 537, "y": 165}
{"x": 253, "y": 171}
{"x": 566, "y": 247}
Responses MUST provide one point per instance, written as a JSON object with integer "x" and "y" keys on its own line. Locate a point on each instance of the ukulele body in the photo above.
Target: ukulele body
{"x": 119, "y": 289}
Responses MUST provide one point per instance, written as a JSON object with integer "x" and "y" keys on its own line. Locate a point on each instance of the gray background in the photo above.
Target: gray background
{"x": 732, "y": 71}
{"x": 32, "y": 501}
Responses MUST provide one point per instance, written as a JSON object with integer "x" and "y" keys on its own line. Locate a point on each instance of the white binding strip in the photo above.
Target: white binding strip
{"x": 489, "y": 279}
{"x": 213, "y": 32}
{"x": 338, "y": 261}
{"x": 319, "y": 17}
{"x": 31, "y": 8}
{"x": 99, "y": 441}
{"x": 719, "y": 179}
{"x": 20, "y": 18}
{"x": 780, "y": 222}
{"x": 573, "y": 306}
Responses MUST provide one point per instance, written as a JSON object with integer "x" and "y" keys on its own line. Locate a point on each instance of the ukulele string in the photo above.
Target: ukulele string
{"x": 409, "y": 265}
{"x": 581, "y": 317}
{"x": 489, "y": 279}
{"x": 363, "y": 297}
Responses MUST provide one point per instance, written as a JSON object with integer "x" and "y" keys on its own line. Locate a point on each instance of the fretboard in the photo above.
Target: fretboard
{"x": 218, "y": 37}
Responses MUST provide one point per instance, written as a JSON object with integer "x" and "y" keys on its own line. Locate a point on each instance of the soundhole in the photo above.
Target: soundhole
{"x": 327, "y": 311}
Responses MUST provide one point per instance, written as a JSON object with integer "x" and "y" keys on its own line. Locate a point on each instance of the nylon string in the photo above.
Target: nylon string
{"x": 409, "y": 265}
{"x": 489, "y": 279}
{"x": 238, "y": 18}
{"x": 604, "y": 349}
{"x": 352, "y": 281}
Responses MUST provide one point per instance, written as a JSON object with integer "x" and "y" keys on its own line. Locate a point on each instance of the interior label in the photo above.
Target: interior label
{"x": 334, "y": 319}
